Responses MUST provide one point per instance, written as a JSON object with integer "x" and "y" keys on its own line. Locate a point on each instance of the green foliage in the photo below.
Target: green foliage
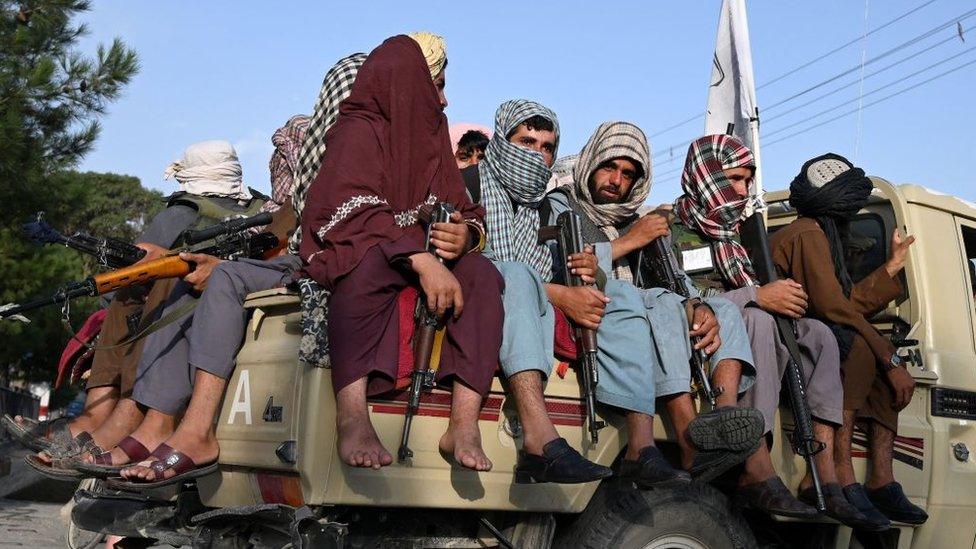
{"x": 51, "y": 96}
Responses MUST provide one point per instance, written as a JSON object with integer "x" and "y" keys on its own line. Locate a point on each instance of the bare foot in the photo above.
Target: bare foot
{"x": 358, "y": 444}
{"x": 464, "y": 442}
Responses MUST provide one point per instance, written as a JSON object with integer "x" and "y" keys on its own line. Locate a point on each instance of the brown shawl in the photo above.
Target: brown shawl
{"x": 389, "y": 153}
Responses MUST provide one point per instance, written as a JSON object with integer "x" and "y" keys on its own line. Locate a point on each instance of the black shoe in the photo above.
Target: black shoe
{"x": 727, "y": 428}
{"x": 891, "y": 501}
{"x": 559, "y": 463}
{"x": 841, "y": 510}
{"x": 772, "y": 497}
{"x": 854, "y": 493}
{"x": 650, "y": 469}
{"x": 709, "y": 465}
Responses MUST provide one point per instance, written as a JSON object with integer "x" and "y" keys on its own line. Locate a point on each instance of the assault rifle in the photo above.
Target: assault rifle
{"x": 753, "y": 234}
{"x": 655, "y": 269}
{"x": 422, "y": 379}
{"x": 232, "y": 241}
{"x": 567, "y": 233}
{"x": 110, "y": 252}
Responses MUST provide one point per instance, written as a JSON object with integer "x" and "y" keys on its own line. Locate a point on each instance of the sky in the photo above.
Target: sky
{"x": 237, "y": 70}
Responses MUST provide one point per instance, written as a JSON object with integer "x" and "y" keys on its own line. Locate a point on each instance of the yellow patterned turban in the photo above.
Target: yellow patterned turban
{"x": 433, "y": 49}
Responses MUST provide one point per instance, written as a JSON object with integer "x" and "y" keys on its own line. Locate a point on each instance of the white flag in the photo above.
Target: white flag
{"x": 732, "y": 90}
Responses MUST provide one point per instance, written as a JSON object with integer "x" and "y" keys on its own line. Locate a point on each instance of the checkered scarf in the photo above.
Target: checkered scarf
{"x": 284, "y": 160}
{"x": 711, "y": 207}
{"x": 335, "y": 89}
{"x": 510, "y": 173}
{"x": 613, "y": 140}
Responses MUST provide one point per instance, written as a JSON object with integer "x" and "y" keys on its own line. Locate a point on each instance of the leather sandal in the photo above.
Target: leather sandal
{"x": 62, "y": 465}
{"x": 37, "y": 435}
{"x": 103, "y": 467}
{"x": 651, "y": 470}
{"x": 772, "y": 497}
{"x": 167, "y": 459}
{"x": 559, "y": 463}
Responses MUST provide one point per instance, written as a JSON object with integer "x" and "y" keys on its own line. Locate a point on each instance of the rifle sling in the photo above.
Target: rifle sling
{"x": 170, "y": 317}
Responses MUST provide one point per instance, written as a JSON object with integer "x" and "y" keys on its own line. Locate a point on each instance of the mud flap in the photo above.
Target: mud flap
{"x": 128, "y": 515}
{"x": 270, "y": 525}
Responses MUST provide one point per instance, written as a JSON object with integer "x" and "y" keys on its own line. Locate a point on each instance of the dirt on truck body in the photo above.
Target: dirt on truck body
{"x": 282, "y": 484}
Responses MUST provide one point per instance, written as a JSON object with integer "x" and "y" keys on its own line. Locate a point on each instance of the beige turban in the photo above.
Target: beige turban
{"x": 434, "y": 50}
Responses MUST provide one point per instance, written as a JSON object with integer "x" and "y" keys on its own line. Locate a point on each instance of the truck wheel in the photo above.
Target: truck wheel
{"x": 692, "y": 517}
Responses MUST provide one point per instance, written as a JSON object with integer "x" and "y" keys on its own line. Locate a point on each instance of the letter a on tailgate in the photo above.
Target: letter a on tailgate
{"x": 242, "y": 399}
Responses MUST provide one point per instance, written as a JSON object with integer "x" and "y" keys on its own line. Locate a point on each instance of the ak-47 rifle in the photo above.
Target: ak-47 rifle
{"x": 110, "y": 252}
{"x": 655, "y": 264}
{"x": 422, "y": 379}
{"x": 569, "y": 236}
{"x": 756, "y": 240}
{"x": 232, "y": 240}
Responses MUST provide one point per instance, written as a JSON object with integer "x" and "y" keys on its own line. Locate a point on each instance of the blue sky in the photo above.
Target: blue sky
{"x": 238, "y": 70}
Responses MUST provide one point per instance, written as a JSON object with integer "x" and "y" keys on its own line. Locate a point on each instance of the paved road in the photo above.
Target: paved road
{"x": 31, "y": 524}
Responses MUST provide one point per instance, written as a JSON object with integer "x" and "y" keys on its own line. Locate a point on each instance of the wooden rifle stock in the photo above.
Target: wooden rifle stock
{"x": 422, "y": 378}
{"x": 170, "y": 266}
{"x": 569, "y": 235}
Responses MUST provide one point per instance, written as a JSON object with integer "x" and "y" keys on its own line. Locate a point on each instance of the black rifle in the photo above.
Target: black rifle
{"x": 655, "y": 269}
{"x": 754, "y": 236}
{"x": 110, "y": 252}
{"x": 227, "y": 245}
{"x": 567, "y": 233}
{"x": 422, "y": 378}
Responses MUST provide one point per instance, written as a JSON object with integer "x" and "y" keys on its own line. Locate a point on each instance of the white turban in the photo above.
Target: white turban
{"x": 209, "y": 168}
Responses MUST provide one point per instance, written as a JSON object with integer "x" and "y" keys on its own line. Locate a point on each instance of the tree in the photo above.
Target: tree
{"x": 51, "y": 97}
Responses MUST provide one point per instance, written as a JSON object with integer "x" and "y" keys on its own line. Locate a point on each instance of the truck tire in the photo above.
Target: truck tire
{"x": 693, "y": 517}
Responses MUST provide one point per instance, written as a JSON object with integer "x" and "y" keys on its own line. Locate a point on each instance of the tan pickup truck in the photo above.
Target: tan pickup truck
{"x": 281, "y": 483}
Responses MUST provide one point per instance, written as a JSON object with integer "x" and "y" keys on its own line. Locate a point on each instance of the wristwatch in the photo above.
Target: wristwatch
{"x": 893, "y": 362}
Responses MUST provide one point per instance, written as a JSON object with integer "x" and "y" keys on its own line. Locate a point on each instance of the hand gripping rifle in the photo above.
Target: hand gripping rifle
{"x": 422, "y": 379}
{"x": 110, "y": 252}
{"x": 753, "y": 233}
{"x": 656, "y": 270}
{"x": 567, "y": 233}
{"x": 232, "y": 240}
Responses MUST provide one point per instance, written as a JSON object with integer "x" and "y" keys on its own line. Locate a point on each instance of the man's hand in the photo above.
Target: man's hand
{"x": 583, "y": 305}
{"x": 584, "y": 264}
{"x": 203, "y": 265}
{"x": 648, "y": 229}
{"x": 450, "y": 240}
{"x": 442, "y": 289}
{"x": 903, "y": 386}
{"x": 152, "y": 252}
{"x": 899, "y": 252}
{"x": 784, "y": 296}
{"x": 705, "y": 326}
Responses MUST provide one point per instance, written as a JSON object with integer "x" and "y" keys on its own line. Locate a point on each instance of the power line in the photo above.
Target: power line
{"x": 869, "y": 75}
{"x": 885, "y": 98}
{"x": 872, "y": 92}
{"x": 844, "y": 45}
{"x": 805, "y": 65}
{"x": 878, "y": 57}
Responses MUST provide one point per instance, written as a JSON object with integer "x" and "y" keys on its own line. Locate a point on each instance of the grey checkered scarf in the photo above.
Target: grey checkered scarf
{"x": 335, "y": 89}
{"x": 512, "y": 174}
{"x": 613, "y": 140}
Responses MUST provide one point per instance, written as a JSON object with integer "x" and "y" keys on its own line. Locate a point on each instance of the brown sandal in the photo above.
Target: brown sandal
{"x": 103, "y": 468}
{"x": 167, "y": 459}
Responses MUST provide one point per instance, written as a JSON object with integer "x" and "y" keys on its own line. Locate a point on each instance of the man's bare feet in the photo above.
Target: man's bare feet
{"x": 464, "y": 442}
{"x": 358, "y": 444}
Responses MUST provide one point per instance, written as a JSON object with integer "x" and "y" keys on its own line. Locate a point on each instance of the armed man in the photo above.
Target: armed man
{"x": 210, "y": 189}
{"x": 611, "y": 179}
{"x": 827, "y": 193}
{"x": 511, "y": 182}
{"x": 718, "y": 196}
